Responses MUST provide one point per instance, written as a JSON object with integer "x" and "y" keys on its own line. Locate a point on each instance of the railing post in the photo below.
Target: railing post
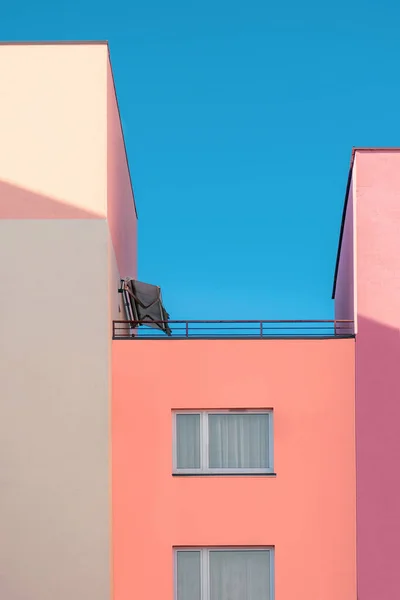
{"x": 261, "y": 329}
{"x": 187, "y": 329}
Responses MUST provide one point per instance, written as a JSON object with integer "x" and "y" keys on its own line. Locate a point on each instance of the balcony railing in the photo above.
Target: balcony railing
{"x": 130, "y": 330}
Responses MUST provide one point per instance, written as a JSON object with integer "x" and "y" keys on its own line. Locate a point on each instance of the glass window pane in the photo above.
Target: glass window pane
{"x": 240, "y": 575}
{"x": 238, "y": 441}
{"x": 188, "y": 441}
{"x": 188, "y": 575}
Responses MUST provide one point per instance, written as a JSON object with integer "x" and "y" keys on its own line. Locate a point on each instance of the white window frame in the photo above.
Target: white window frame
{"x": 205, "y": 566}
{"x": 204, "y": 443}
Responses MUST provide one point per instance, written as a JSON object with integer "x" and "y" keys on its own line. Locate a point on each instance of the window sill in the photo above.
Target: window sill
{"x": 223, "y": 474}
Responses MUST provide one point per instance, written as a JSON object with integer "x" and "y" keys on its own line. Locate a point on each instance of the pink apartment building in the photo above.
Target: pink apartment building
{"x": 205, "y": 465}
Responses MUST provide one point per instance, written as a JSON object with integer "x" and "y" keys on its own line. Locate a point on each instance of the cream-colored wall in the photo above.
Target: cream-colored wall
{"x": 53, "y": 127}
{"x": 54, "y": 410}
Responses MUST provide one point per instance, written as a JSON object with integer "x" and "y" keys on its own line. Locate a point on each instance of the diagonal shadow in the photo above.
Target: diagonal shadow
{"x": 20, "y": 203}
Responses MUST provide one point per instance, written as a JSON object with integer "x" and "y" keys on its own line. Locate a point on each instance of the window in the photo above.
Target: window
{"x": 224, "y": 574}
{"x": 212, "y": 442}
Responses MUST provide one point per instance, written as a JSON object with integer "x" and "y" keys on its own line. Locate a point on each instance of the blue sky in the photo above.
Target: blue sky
{"x": 239, "y": 119}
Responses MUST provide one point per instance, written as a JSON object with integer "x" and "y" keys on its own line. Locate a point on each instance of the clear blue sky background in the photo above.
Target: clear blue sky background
{"x": 239, "y": 120}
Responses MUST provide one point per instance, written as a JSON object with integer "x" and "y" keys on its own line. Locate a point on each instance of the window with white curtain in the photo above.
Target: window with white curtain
{"x": 212, "y": 442}
{"x": 224, "y": 574}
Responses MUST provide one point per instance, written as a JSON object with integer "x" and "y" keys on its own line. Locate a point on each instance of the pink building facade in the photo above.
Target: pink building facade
{"x": 304, "y": 510}
{"x": 368, "y": 289}
{"x": 182, "y": 468}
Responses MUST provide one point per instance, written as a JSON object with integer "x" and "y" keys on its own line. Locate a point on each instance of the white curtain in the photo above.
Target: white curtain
{"x": 238, "y": 441}
{"x": 239, "y": 575}
{"x": 188, "y": 575}
{"x": 188, "y": 441}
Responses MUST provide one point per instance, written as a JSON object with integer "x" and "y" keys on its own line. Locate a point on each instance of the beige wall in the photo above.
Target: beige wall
{"x": 53, "y": 124}
{"x": 54, "y": 410}
{"x": 67, "y": 232}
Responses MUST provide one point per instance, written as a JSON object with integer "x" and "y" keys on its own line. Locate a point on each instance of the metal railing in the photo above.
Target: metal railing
{"x": 123, "y": 330}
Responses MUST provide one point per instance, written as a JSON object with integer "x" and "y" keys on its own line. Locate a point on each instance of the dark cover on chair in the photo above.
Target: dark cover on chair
{"x": 146, "y": 304}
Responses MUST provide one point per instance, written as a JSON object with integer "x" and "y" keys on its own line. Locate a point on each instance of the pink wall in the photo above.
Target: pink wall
{"x": 344, "y": 293}
{"x": 377, "y": 374}
{"x": 307, "y": 511}
{"x": 121, "y": 211}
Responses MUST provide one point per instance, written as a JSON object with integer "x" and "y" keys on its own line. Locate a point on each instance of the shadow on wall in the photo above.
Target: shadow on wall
{"x": 378, "y": 454}
{"x": 21, "y": 203}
